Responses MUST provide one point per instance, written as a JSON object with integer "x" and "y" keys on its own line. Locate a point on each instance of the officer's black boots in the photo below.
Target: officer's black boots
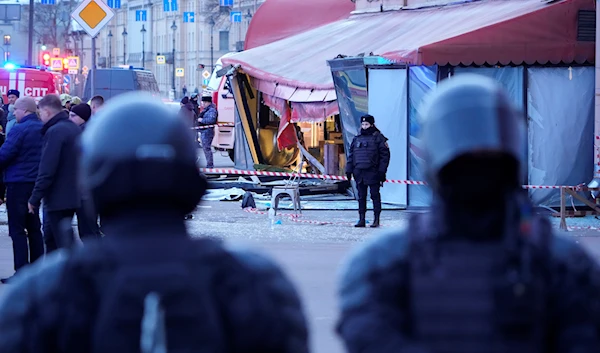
{"x": 362, "y": 222}
{"x": 376, "y": 221}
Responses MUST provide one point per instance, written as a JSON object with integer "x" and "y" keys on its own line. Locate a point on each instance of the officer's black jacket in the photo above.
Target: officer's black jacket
{"x": 368, "y": 157}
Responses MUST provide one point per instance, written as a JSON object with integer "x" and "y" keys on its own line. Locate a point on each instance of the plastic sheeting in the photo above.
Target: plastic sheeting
{"x": 421, "y": 79}
{"x": 560, "y": 107}
{"x": 351, "y": 89}
{"x": 269, "y": 25}
{"x": 313, "y": 112}
{"x": 388, "y": 104}
{"x": 480, "y": 32}
{"x": 510, "y": 77}
{"x": 241, "y": 150}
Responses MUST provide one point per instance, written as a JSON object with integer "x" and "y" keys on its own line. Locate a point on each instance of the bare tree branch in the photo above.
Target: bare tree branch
{"x": 51, "y": 23}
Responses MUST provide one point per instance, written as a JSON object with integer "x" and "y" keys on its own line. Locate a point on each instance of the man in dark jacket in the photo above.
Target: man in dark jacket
{"x": 57, "y": 182}
{"x": 472, "y": 275}
{"x": 87, "y": 218}
{"x": 368, "y": 160}
{"x": 208, "y": 116}
{"x": 187, "y": 112}
{"x": 149, "y": 286}
{"x": 20, "y": 159}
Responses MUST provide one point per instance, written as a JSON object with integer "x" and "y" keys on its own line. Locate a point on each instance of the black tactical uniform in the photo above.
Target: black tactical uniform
{"x": 473, "y": 275}
{"x": 148, "y": 286}
{"x": 368, "y": 160}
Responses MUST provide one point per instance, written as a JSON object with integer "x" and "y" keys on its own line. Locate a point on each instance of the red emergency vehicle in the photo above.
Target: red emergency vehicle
{"x": 31, "y": 82}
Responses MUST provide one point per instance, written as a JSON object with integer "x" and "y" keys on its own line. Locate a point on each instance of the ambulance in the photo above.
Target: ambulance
{"x": 30, "y": 82}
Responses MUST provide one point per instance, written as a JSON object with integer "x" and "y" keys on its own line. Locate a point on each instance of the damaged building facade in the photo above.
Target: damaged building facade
{"x": 383, "y": 57}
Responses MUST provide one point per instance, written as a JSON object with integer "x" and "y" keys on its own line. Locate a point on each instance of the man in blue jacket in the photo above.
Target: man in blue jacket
{"x": 57, "y": 180}
{"x": 20, "y": 158}
{"x": 208, "y": 116}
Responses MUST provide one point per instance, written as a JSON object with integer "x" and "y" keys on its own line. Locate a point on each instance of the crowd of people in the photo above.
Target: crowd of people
{"x": 470, "y": 275}
{"x": 39, "y": 161}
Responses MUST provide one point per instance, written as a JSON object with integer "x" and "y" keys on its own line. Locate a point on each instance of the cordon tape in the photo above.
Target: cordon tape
{"x": 338, "y": 177}
{"x": 211, "y": 126}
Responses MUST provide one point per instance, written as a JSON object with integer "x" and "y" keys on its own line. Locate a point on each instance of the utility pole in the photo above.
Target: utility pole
{"x": 212, "y": 59}
{"x": 30, "y": 35}
{"x": 93, "y": 70}
{"x": 174, "y": 28}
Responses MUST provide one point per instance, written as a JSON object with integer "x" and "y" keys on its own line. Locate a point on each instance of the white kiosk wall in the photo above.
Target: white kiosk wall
{"x": 388, "y": 104}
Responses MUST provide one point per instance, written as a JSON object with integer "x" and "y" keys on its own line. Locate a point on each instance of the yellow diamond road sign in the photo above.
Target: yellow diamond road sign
{"x": 206, "y": 74}
{"x": 92, "y": 15}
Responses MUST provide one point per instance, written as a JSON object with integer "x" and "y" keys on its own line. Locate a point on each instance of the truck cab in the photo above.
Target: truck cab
{"x": 30, "y": 82}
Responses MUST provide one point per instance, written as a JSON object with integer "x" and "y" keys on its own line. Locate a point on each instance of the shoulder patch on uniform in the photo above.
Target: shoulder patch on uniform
{"x": 386, "y": 144}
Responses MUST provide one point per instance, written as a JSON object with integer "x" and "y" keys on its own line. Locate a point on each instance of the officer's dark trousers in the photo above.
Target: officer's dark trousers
{"x": 362, "y": 197}
{"x": 87, "y": 221}
{"x": 24, "y": 228}
{"x": 58, "y": 232}
{"x": 207, "y": 136}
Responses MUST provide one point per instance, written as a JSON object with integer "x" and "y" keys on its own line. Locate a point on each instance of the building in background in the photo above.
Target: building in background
{"x": 143, "y": 29}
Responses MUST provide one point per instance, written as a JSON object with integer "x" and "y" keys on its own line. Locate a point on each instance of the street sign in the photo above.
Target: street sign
{"x": 188, "y": 17}
{"x": 84, "y": 70}
{"x": 56, "y": 64}
{"x": 206, "y": 82}
{"x": 205, "y": 74}
{"x": 226, "y": 2}
{"x": 73, "y": 62}
{"x": 48, "y": 2}
{"x": 160, "y": 59}
{"x": 114, "y": 4}
{"x": 141, "y": 15}
{"x": 92, "y": 15}
{"x": 56, "y": 51}
{"x": 179, "y": 72}
{"x": 73, "y": 71}
{"x": 170, "y": 5}
{"x": 66, "y": 79}
{"x": 235, "y": 16}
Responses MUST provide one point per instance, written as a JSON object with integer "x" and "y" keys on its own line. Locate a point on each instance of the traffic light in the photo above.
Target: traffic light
{"x": 45, "y": 58}
{"x": 200, "y": 67}
{"x": 65, "y": 66}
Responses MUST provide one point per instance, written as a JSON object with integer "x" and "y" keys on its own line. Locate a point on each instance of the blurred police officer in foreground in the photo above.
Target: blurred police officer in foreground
{"x": 472, "y": 275}
{"x": 368, "y": 160}
{"x": 147, "y": 286}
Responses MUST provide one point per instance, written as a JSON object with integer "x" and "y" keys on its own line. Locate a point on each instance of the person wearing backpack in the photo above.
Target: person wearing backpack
{"x": 148, "y": 286}
{"x": 480, "y": 272}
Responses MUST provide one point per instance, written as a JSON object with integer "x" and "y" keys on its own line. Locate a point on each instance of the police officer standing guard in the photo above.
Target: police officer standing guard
{"x": 368, "y": 160}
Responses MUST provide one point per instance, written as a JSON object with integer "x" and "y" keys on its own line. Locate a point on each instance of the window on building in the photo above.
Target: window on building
{"x": 224, "y": 41}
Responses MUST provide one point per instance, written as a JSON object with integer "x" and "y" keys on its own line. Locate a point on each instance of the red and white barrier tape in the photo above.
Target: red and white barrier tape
{"x": 338, "y": 177}
{"x": 211, "y": 126}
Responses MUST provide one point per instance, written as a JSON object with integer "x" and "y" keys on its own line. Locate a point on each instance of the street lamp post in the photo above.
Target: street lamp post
{"x": 110, "y": 35}
{"x": 174, "y": 28}
{"x": 212, "y": 60}
{"x": 143, "y": 31}
{"x": 124, "y": 46}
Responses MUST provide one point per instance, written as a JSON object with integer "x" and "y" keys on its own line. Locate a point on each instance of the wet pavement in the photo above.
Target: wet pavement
{"x": 309, "y": 252}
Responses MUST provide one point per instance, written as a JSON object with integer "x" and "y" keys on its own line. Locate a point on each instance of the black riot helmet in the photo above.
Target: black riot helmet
{"x": 137, "y": 154}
